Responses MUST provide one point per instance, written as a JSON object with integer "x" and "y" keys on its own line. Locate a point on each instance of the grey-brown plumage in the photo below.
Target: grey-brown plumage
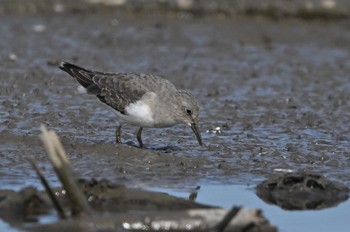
{"x": 140, "y": 99}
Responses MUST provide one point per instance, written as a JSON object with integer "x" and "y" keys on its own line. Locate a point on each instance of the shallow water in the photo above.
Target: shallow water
{"x": 279, "y": 91}
{"x": 227, "y": 196}
{"x": 5, "y": 227}
{"x": 331, "y": 219}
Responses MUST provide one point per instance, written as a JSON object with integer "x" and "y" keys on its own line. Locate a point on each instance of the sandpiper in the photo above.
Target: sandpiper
{"x": 139, "y": 99}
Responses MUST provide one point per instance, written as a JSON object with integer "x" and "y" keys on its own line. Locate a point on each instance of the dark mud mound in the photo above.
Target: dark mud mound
{"x": 302, "y": 191}
{"x": 23, "y": 206}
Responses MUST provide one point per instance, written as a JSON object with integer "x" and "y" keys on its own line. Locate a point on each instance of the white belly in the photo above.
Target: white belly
{"x": 138, "y": 114}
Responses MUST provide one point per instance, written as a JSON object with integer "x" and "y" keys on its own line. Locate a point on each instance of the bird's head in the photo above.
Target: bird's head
{"x": 189, "y": 112}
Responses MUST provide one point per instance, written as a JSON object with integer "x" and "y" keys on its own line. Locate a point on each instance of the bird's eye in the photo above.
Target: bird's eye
{"x": 188, "y": 111}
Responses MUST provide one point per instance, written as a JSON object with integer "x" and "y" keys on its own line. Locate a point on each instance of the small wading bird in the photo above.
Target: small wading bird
{"x": 139, "y": 99}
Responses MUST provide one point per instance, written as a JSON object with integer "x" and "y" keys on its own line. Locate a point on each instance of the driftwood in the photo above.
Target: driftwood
{"x": 60, "y": 162}
{"x": 247, "y": 220}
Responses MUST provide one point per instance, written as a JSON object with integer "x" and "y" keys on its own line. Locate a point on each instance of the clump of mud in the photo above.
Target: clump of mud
{"x": 302, "y": 191}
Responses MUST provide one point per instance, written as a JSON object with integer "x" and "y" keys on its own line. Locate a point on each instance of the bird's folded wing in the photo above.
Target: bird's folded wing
{"x": 118, "y": 90}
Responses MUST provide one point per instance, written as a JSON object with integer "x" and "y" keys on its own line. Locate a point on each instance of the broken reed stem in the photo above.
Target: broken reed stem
{"x": 48, "y": 190}
{"x": 60, "y": 162}
{"x": 222, "y": 225}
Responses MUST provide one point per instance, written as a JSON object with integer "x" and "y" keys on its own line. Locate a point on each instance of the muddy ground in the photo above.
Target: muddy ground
{"x": 278, "y": 90}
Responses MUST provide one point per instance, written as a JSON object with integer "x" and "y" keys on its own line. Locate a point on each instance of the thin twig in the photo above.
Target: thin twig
{"x": 221, "y": 226}
{"x": 48, "y": 189}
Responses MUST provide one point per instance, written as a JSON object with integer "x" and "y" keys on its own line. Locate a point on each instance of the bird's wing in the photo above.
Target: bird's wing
{"x": 117, "y": 90}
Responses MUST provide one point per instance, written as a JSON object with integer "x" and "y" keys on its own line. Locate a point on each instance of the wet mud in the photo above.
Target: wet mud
{"x": 274, "y": 96}
{"x": 302, "y": 191}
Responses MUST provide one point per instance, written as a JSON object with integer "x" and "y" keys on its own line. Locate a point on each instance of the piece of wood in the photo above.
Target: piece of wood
{"x": 60, "y": 162}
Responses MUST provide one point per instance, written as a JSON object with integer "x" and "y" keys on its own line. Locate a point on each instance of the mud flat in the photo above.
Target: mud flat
{"x": 277, "y": 90}
{"x": 95, "y": 205}
{"x": 274, "y": 95}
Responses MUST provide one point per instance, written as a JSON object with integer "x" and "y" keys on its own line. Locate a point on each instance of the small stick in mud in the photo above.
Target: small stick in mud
{"x": 48, "y": 190}
{"x": 221, "y": 226}
{"x": 59, "y": 160}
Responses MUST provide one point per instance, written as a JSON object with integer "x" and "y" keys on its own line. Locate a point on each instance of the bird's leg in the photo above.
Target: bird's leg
{"x": 118, "y": 131}
{"x": 138, "y": 136}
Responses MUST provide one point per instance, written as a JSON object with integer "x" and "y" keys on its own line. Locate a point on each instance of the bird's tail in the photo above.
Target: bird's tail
{"x": 82, "y": 75}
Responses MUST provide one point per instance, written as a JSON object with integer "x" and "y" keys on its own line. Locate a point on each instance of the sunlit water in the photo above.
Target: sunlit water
{"x": 6, "y": 227}
{"x": 325, "y": 220}
{"x": 226, "y": 196}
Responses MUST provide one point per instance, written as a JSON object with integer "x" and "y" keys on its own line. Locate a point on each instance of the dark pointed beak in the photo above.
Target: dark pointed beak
{"x": 195, "y": 129}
